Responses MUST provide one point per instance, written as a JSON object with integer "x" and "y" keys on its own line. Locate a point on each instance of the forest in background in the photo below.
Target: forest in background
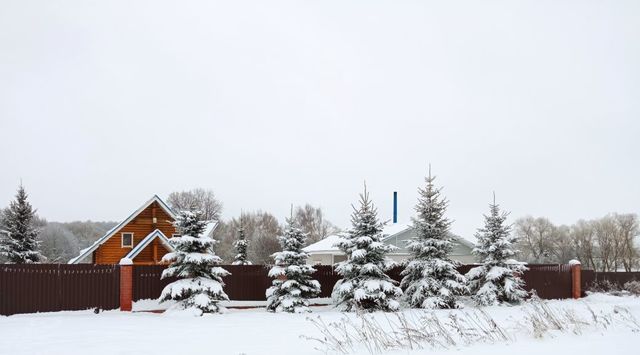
{"x": 608, "y": 243}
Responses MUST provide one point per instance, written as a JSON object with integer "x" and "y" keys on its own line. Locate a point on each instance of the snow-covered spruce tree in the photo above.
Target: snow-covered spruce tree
{"x": 365, "y": 286}
{"x": 497, "y": 279}
{"x": 18, "y": 241}
{"x": 430, "y": 278}
{"x": 293, "y": 285}
{"x": 241, "y": 245}
{"x": 200, "y": 285}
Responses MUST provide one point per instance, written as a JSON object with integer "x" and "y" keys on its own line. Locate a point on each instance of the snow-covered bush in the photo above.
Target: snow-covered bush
{"x": 613, "y": 288}
{"x": 431, "y": 279}
{"x": 633, "y": 287}
{"x": 200, "y": 285}
{"x": 497, "y": 280}
{"x": 293, "y": 285}
{"x": 18, "y": 239}
{"x": 364, "y": 285}
{"x": 605, "y": 286}
{"x": 241, "y": 245}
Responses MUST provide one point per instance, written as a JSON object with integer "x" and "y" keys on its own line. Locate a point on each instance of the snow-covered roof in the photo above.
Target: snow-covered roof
{"x": 147, "y": 240}
{"x": 87, "y": 251}
{"x": 211, "y": 226}
{"x": 327, "y": 244}
{"x": 395, "y": 228}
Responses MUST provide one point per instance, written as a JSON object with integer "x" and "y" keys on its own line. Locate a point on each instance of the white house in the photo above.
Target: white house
{"x": 324, "y": 253}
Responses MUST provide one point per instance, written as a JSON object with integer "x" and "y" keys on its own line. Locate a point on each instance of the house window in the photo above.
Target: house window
{"x": 339, "y": 258}
{"x": 175, "y": 235}
{"x": 127, "y": 240}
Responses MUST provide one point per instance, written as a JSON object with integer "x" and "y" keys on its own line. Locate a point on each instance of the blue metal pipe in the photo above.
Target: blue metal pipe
{"x": 395, "y": 207}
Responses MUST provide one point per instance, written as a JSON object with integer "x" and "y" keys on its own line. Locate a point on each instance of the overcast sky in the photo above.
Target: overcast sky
{"x": 268, "y": 103}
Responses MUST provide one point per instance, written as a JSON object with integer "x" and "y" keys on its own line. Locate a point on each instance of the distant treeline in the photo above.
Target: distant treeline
{"x": 60, "y": 242}
{"x": 610, "y": 243}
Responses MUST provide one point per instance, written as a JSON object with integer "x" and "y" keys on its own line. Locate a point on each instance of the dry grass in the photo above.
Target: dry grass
{"x": 427, "y": 330}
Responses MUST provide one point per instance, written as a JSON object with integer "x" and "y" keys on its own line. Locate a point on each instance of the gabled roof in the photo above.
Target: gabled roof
{"x": 211, "y": 226}
{"x": 147, "y": 240}
{"x": 326, "y": 245}
{"x": 87, "y": 251}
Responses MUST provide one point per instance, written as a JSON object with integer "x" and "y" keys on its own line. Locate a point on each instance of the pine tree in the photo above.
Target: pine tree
{"x": 19, "y": 242}
{"x": 194, "y": 262}
{"x": 365, "y": 286}
{"x": 431, "y": 279}
{"x": 241, "y": 245}
{"x": 497, "y": 279}
{"x": 293, "y": 286}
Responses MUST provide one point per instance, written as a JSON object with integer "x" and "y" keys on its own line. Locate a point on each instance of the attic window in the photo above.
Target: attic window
{"x": 175, "y": 235}
{"x": 127, "y": 240}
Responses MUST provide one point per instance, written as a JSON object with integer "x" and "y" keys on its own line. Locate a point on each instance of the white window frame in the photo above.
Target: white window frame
{"x": 122, "y": 240}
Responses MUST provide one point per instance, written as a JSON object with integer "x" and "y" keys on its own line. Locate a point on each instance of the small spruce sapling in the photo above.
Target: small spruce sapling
{"x": 18, "y": 239}
{"x": 498, "y": 279}
{"x": 430, "y": 278}
{"x": 293, "y": 285}
{"x": 194, "y": 263}
{"x": 241, "y": 245}
{"x": 365, "y": 286}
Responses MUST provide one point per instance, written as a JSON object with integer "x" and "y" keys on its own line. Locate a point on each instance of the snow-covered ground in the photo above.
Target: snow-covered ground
{"x": 154, "y": 305}
{"x": 255, "y": 331}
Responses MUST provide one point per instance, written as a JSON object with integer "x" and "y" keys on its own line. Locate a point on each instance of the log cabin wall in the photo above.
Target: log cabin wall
{"x": 112, "y": 251}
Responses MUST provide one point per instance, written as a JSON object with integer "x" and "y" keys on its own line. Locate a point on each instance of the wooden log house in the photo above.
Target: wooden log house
{"x": 142, "y": 237}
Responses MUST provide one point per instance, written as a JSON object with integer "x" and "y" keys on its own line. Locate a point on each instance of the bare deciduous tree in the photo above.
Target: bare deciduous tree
{"x": 261, "y": 231}
{"x": 604, "y": 244}
{"x": 57, "y": 243}
{"x": 196, "y": 199}
{"x": 562, "y": 246}
{"x": 535, "y": 235}
{"x": 627, "y": 230}
{"x": 583, "y": 237}
{"x": 311, "y": 220}
{"x": 605, "y": 229}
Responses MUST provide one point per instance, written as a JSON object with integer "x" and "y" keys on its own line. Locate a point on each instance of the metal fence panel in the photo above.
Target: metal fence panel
{"x": 29, "y": 288}
{"x": 53, "y": 287}
{"x": 250, "y": 282}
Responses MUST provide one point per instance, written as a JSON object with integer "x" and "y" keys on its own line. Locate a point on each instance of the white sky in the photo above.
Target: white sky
{"x": 104, "y": 103}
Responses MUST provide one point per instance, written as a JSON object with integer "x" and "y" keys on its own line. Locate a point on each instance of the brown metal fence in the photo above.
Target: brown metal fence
{"x": 590, "y": 277}
{"x": 550, "y": 281}
{"x": 52, "y": 287}
{"x": 147, "y": 283}
{"x": 58, "y": 287}
{"x": 327, "y": 278}
{"x": 246, "y": 282}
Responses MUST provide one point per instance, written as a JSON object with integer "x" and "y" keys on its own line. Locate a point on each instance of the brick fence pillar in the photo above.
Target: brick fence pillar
{"x": 126, "y": 284}
{"x": 576, "y": 271}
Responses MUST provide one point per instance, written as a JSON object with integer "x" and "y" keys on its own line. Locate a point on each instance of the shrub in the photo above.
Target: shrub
{"x": 633, "y": 287}
{"x": 605, "y": 286}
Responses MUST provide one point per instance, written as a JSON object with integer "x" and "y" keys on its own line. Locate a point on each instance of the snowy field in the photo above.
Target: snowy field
{"x": 255, "y": 331}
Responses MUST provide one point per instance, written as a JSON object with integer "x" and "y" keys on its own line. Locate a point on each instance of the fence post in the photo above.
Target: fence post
{"x": 126, "y": 284}
{"x": 576, "y": 292}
